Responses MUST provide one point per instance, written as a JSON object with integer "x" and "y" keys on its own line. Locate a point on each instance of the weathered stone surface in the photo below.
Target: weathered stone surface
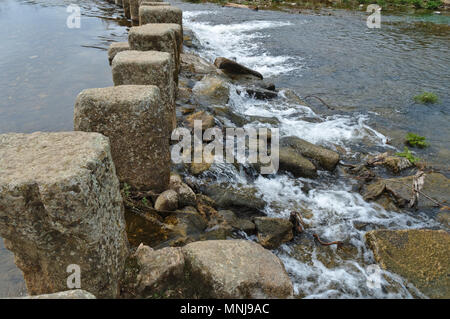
{"x": 148, "y": 68}
{"x": 126, "y": 8}
{"x": 132, "y": 116}
{"x": 321, "y": 156}
{"x": 227, "y": 196}
{"x": 153, "y": 3}
{"x": 420, "y": 256}
{"x": 164, "y": 37}
{"x": 235, "y": 269}
{"x": 293, "y": 162}
{"x": 134, "y": 10}
{"x": 69, "y": 294}
{"x": 150, "y": 272}
{"x": 444, "y": 218}
{"x": 115, "y": 48}
{"x": 60, "y": 204}
{"x": 212, "y": 90}
{"x": 261, "y": 93}
{"x": 436, "y": 186}
{"x": 194, "y": 64}
{"x": 206, "y": 118}
{"x": 238, "y": 223}
{"x": 167, "y": 201}
{"x": 233, "y": 67}
{"x": 160, "y": 14}
{"x": 186, "y": 196}
{"x": 118, "y": 2}
{"x": 272, "y": 232}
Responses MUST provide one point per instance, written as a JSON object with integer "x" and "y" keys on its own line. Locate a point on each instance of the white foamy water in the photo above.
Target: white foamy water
{"x": 240, "y": 41}
{"x": 335, "y": 211}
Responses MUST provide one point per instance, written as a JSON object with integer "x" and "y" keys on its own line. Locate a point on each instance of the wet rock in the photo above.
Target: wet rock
{"x": 444, "y": 218}
{"x": 321, "y": 156}
{"x": 198, "y": 168}
{"x": 272, "y": 232}
{"x": 126, "y": 8}
{"x": 167, "y": 201}
{"x": 69, "y": 294}
{"x": 397, "y": 164}
{"x": 187, "y": 222}
{"x": 228, "y": 197}
{"x": 212, "y": 90}
{"x": 292, "y": 97}
{"x": 148, "y": 68}
{"x": 296, "y": 164}
{"x": 186, "y": 196}
{"x": 230, "y": 66}
{"x": 260, "y": 93}
{"x": 398, "y": 190}
{"x": 235, "y": 269}
{"x": 151, "y": 273}
{"x": 420, "y": 256}
{"x": 207, "y": 119}
{"x": 194, "y": 64}
{"x": 160, "y": 14}
{"x": 238, "y": 223}
{"x": 134, "y": 10}
{"x": 132, "y": 117}
{"x": 115, "y": 48}
{"x": 60, "y": 204}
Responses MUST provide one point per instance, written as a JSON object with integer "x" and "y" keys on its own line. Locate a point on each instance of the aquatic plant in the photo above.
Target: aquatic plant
{"x": 426, "y": 97}
{"x": 415, "y": 140}
{"x": 408, "y": 155}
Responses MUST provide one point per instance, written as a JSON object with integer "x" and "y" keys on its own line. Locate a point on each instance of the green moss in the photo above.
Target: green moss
{"x": 415, "y": 140}
{"x": 426, "y": 98}
{"x": 408, "y": 155}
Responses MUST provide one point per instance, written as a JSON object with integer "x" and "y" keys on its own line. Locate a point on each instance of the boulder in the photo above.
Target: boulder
{"x": 261, "y": 93}
{"x": 150, "y": 273}
{"x": 115, "y": 48}
{"x": 148, "y": 68}
{"x": 153, "y": 3}
{"x": 186, "y": 196}
{"x": 293, "y": 162}
{"x": 69, "y": 294}
{"x": 238, "y": 223}
{"x": 235, "y": 269}
{"x": 230, "y": 66}
{"x": 207, "y": 119}
{"x": 133, "y": 119}
{"x": 212, "y": 90}
{"x": 421, "y": 256}
{"x": 321, "y": 156}
{"x": 160, "y": 14}
{"x": 60, "y": 204}
{"x": 444, "y": 218}
{"x": 167, "y": 201}
{"x": 227, "y": 196}
{"x": 272, "y": 232}
{"x": 194, "y": 64}
{"x": 436, "y": 186}
{"x": 134, "y": 10}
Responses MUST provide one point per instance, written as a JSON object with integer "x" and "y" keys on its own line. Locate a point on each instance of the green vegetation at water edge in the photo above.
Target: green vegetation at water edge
{"x": 415, "y": 140}
{"x": 408, "y": 155}
{"x": 426, "y": 98}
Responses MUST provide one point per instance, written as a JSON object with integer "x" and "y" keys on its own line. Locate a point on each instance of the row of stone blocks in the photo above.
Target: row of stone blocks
{"x": 144, "y": 11}
{"x": 60, "y": 201}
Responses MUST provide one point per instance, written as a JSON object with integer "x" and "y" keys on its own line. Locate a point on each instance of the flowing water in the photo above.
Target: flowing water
{"x": 370, "y": 76}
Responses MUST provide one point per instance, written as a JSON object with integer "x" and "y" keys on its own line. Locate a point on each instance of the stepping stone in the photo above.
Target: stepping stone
{"x": 148, "y": 68}
{"x": 115, "y": 48}
{"x": 126, "y": 8}
{"x": 160, "y": 14}
{"x": 134, "y": 10}
{"x": 135, "y": 120}
{"x": 60, "y": 205}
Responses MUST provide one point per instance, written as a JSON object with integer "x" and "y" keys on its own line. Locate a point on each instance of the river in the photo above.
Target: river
{"x": 369, "y": 75}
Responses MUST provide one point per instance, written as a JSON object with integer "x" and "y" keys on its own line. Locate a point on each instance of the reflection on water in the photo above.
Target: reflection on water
{"x": 43, "y": 66}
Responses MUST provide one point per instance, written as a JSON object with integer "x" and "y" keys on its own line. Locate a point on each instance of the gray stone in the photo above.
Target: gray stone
{"x": 235, "y": 269}
{"x": 69, "y": 294}
{"x": 186, "y": 196}
{"x": 196, "y": 65}
{"x": 238, "y": 223}
{"x": 272, "y": 232}
{"x": 115, "y": 48}
{"x": 126, "y": 8}
{"x": 160, "y": 14}
{"x": 212, "y": 90}
{"x": 167, "y": 201}
{"x": 60, "y": 204}
{"x": 293, "y": 162}
{"x": 134, "y": 10}
{"x": 134, "y": 119}
{"x": 148, "y": 68}
{"x": 232, "y": 67}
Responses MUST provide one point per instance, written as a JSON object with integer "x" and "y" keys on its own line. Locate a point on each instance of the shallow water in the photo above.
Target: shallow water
{"x": 369, "y": 75}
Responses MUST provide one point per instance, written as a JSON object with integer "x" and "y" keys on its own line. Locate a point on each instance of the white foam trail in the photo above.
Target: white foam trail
{"x": 240, "y": 41}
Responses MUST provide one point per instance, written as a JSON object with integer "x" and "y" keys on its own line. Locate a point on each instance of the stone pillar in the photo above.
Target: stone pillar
{"x": 60, "y": 205}
{"x": 134, "y": 119}
{"x": 160, "y": 14}
{"x": 153, "y": 3}
{"x": 164, "y": 37}
{"x": 134, "y": 10}
{"x": 148, "y": 68}
{"x": 119, "y": 2}
{"x": 126, "y": 8}
{"x": 115, "y": 48}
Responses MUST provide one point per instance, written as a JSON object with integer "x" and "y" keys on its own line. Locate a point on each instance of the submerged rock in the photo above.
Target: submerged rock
{"x": 272, "y": 232}
{"x": 207, "y": 119}
{"x": 230, "y": 66}
{"x": 321, "y": 156}
{"x": 398, "y": 190}
{"x": 420, "y": 256}
{"x": 235, "y": 269}
{"x": 212, "y": 90}
{"x": 260, "y": 93}
{"x": 293, "y": 162}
